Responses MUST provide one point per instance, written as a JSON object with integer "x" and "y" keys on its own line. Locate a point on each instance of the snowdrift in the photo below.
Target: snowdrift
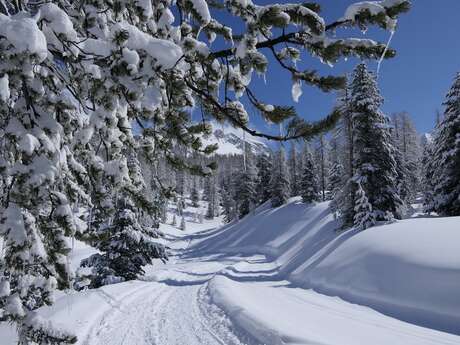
{"x": 409, "y": 269}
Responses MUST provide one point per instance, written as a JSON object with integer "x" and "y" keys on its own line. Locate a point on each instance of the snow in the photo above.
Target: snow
{"x": 24, "y": 35}
{"x": 230, "y": 141}
{"x": 408, "y": 270}
{"x": 279, "y": 276}
{"x": 382, "y": 267}
{"x": 278, "y": 313}
{"x": 375, "y": 8}
{"x": 55, "y": 23}
{"x": 28, "y": 144}
{"x": 146, "y": 6}
{"x": 4, "y": 88}
{"x": 165, "y": 52}
{"x": 201, "y": 8}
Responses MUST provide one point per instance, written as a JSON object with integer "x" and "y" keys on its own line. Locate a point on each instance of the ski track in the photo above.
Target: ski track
{"x": 160, "y": 314}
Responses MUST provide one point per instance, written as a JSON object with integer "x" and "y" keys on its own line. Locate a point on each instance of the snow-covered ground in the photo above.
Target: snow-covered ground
{"x": 250, "y": 283}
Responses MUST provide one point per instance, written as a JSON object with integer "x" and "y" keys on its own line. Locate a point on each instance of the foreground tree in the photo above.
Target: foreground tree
{"x": 446, "y": 159}
{"x": 373, "y": 151}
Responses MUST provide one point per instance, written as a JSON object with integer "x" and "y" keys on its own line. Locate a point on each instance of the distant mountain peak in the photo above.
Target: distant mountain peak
{"x": 231, "y": 142}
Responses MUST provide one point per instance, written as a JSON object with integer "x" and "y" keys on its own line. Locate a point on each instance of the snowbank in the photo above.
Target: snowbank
{"x": 275, "y": 313}
{"x": 409, "y": 270}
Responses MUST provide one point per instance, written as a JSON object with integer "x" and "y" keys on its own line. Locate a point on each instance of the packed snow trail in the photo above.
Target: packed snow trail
{"x": 161, "y": 314}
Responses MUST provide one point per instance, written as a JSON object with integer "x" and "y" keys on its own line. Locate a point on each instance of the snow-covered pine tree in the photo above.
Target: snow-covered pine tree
{"x": 213, "y": 203}
{"x": 229, "y": 208}
{"x": 373, "y": 151}
{"x": 42, "y": 176}
{"x": 130, "y": 246}
{"x": 264, "y": 176}
{"x": 246, "y": 195}
{"x": 428, "y": 168}
{"x": 344, "y": 199}
{"x": 446, "y": 161}
{"x": 295, "y": 171}
{"x": 407, "y": 142}
{"x": 279, "y": 183}
{"x": 126, "y": 243}
{"x": 309, "y": 186}
{"x": 207, "y": 189}
{"x": 336, "y": 171}
{"x": 194, "y": 196}
{"x": 364, "y": 215}
{"x": 322, "y": 164}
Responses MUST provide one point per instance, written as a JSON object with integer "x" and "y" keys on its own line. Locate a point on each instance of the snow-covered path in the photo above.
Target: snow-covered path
{"x": 161, "y": 314}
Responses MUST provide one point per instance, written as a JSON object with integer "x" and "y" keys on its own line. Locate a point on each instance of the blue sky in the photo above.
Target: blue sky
{"x": 416, "y": 80}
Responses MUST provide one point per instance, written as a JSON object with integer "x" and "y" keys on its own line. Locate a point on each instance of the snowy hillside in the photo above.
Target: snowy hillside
{"x": 408, "y": 269}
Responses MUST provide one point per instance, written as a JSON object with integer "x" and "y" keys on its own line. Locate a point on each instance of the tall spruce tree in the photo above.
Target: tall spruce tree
{"x": 229, "y": 208}
{"x": 428, "y": 168}
{"x": 264, "y": 176}
{"x": 246, "y": 196}
{"x": 309, "y": 186}
{"x": 373, "y": 151}
{"x": 279, "y": 184}
{"x": 295, "y": 171}
{"x": 194, "y": 196}
{"x": 446, "y": 162}
{"x": 336, "y": 171}
{"x": 322, "y": 165}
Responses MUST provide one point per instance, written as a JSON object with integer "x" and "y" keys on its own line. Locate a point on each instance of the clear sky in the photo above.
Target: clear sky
{"x": 416, "y": 80}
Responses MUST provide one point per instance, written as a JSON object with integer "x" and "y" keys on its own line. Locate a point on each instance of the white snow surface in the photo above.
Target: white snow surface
{"x": 250, "y": 283}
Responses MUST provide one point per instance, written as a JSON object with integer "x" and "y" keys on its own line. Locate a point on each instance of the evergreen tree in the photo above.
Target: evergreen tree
{"x": 213, "y": 203}
{"x": 344, "y": 198}
{"x": 194, "y": 195}
{"x": 427, "y": 179}
{"x": 322, "y": 165}
{"x": 174, "y": 220}
{"x": 446, "y": 162}
{"x": 126, "y": 243}
{"x": 246, "y": 187}
{"x": 364, "y": 216}
{"x": 336, "y": 172}
{"x": 309, "y": 184}
{"x": 407, "y": 154}
{"x": 129, "y": 247}
{"x": 264, "y": 176}
{"x": 373, "y": 152}
{"x": 229, "y": 208}
{"x": 279, "y": 183}
{"x": 294, "y": 171}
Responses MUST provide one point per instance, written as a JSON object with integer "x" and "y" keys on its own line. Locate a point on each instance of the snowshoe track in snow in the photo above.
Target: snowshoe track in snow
{"x": 160, "y": 314}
